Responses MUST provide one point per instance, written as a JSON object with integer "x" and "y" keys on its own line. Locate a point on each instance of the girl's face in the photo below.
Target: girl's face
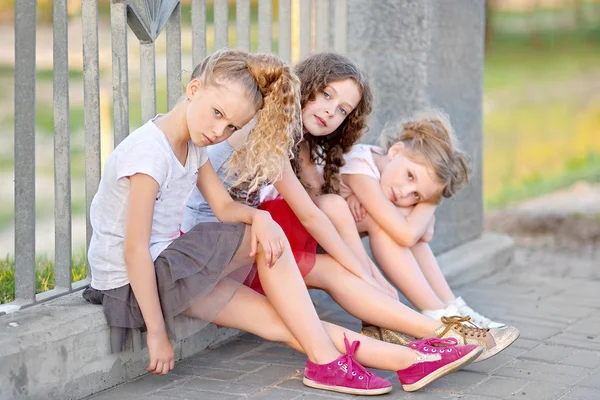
{"x": 406, "y": 182}
{"x": 330, "y": 107}
{"x": 215, "y": 112}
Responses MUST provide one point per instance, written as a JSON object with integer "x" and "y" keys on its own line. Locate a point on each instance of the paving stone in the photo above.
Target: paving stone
{"x": 523, "y": 343}
{"x": 581, "y": 393}
{"x": 227, "y": 387}
{"x": 588, "y": 327}
{"x": 270, "y": 375}
{"x": 539, "y": 371}
{"x": 538, "y": 391}
{"x": 275, "y": 394}
{"x": 592, "y": 380}
{"x": 576, "y": 340}
{"x": 140, "y": 386}
{"x": 182, "y": 394}
{"x": 582, "y": 358}
{"x": 499, "y": 387}
{"x": 491, "y": 364}
{"x": 295, "y": 384}
{"x": 458, "y": 382}
{"x": 551, "y": 354}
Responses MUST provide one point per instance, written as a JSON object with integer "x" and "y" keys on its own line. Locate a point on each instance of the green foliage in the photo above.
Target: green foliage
{"x": 44, "y": 275}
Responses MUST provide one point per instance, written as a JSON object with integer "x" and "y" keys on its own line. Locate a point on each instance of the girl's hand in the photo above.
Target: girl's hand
{"x": 358, "y": 211}
{"x": 162, "y": 358}
{"x": 269, "y": 235}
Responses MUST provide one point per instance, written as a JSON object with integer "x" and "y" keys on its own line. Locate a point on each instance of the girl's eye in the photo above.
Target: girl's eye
{"x": 218, "y": 113}
{"x": 417, "y": 197}
{"x": 232, "y": 128}
{"x": 343, "y": 111}
{"x": 327, "y": 96}
{"x": 410, "y": 176}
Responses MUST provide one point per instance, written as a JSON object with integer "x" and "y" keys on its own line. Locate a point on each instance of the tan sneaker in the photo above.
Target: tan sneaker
{"x": 493, "y": 340}
{"x": 385, "y": 335}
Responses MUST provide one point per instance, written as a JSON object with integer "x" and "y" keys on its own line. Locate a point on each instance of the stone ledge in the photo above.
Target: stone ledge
{"x": 60, "y": 350}
{"x": 477, "y": 259}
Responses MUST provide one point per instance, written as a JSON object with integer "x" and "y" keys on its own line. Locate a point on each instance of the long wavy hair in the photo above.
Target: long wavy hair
{"x": 275, "y": 91}
{"x": 315, "y": 73}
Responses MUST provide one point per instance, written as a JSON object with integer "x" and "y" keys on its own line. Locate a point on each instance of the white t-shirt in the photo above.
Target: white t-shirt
{"x": 147, "y": 151}
{"x": 359, "y": 161}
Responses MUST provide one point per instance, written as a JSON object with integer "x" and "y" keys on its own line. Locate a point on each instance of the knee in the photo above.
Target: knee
{"x": 335, "y": 207}
{"x": 331, "y": 203}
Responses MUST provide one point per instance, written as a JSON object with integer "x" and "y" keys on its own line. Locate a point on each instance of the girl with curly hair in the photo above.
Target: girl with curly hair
{"x": 345, "y": 272}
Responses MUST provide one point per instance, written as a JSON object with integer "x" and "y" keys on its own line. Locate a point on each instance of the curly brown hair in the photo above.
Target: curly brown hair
{"x": 315, "y": 73}
{"x": 275, "y": 90}
{"x": 431, "y": 141}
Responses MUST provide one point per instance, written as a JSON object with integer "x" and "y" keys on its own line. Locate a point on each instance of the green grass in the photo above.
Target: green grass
{"x": 512, "y": 61}
{"x": 44, "y": 275}
{"x": 541, "y": 125}
{"x": 578, "y": 169}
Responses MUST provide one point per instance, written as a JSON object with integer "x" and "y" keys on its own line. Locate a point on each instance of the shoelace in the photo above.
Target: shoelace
{"x": 434, "y": 342}
{"x": 478, "y": 318}
{"x": 464, "y": 330}
{"x": 348, "y": 359}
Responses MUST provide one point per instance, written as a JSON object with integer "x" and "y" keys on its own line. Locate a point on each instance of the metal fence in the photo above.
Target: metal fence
{"x": 318, "y": 25}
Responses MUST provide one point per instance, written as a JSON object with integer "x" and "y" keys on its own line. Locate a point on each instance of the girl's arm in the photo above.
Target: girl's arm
{"x": 264, "y": 230}
{"x": 140, "y": 270}
{"x": 406, "y": 231}
{"x": 318, "y": 224}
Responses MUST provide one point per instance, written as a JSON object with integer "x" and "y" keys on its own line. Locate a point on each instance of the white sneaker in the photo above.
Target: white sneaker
{"x": 449, "y": 311}
{"x": 483, "y": 322}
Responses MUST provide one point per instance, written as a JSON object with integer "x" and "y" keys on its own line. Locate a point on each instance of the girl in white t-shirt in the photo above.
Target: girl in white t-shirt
{"x": 393, "y": 192}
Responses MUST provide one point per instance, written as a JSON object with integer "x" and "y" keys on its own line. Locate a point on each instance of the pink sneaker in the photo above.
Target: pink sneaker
{"x": 345, "y": 375}
{"x": 438, "y": 357}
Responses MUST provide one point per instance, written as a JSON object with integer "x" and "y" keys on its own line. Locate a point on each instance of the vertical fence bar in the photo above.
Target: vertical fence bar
{"x": 322, "y": 25}
{"x": 25, "y": 22}
{"x": 340, "y": 37}
{"x": 148, "y": 80}
{"x": 221, "y": 23}
{"x": 242, "y": 24}
{"x": 118, "y": 26}
{"x": 285, "y": 30}
{"x": 62, "y": 164}
{"x": 174, "y": 57}
{"x": 265, "y": 26}
{"x": 305, "y": 28}
{"x": 198, "y": 31}
{"x": 91, "y": 107}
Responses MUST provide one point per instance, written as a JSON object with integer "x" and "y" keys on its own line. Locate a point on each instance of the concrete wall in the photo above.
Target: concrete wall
{"x": 428, "y": 53}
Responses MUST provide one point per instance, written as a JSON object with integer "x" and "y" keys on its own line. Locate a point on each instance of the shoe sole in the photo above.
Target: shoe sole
{"x": 443, "y": 371}
{"x": 346, "y": 390}
{"x": 497, "y": 349}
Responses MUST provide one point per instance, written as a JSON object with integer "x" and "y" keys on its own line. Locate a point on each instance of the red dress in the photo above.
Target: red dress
{"x": 304, "y": 247}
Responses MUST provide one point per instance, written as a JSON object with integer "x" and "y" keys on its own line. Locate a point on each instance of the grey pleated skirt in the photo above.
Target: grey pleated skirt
{"x": 191, "y": 271}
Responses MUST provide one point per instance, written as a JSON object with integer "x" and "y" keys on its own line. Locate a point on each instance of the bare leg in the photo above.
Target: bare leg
{"x": 338, "y": 212}
{"x": 431, "y": 269}
{"x": 288, "y": 295}
{"x": 401, "y": 268}
{"x": 365, "y": 301}
{"x": 252, "y": 312}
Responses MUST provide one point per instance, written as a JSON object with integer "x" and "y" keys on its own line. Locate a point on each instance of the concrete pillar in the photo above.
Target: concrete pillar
{"x": 428, "y": 53}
